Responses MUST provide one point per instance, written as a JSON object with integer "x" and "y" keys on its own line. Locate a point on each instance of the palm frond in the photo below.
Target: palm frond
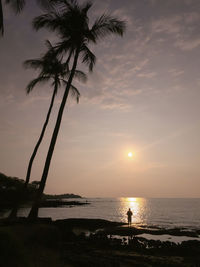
{"x": 49, "y": 64}
{"x": 33, "y": 63}
{"x": 70, "y": 4}
{"x": 1, "y": 18}
{"x": 73, "y": 90}
{"x": 50, "y": 20}
{"x": 86, "y": 6}
{"x": 32, "y": 84}
{"x": 64, "y": 46}
{"x": 56, "y": 84}
{"x": 106, "y": 25}
{"x": 48, "y": 44}
{"x": 67, "y": 4}
{"x": 66, "y": 64}
{"x": 59, "y": 83}
{"x": 17, "y": 5}
{"x": 88, "y": 57}
{"x": 75, "y": 93}
{"x": 51, "y": 54}
{"x": 80, "y": 75}
{"x": 46, "y": 4}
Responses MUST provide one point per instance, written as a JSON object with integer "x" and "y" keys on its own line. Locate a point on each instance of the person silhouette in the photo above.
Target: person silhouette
{"x": 129, "y": 214}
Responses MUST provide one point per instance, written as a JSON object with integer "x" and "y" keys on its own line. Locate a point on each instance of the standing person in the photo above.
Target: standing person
{"x": 129, "y": 214}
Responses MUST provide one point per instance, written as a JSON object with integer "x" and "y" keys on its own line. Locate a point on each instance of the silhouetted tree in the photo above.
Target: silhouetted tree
{"x": 17, "y": 6}
{"x": 51, "y": 68}
{"x": 71, "y": 22}
{"x": 10, "y": 187}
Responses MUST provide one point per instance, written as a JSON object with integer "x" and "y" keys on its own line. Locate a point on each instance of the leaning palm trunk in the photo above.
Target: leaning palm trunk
{"x": 34, "y": 210}
{"x": 13, "y": 213}
{"x": 1, "y": 18}
{"x": 41, "y": 137}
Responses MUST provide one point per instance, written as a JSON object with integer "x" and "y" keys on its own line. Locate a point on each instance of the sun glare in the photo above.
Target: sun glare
{"x": 130, "y": 154}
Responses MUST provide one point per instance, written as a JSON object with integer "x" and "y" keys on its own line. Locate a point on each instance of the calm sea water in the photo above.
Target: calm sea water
{"x": 164, "y": 212}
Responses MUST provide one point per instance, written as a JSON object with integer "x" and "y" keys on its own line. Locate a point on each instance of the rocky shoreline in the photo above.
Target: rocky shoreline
{"x": 59, "y": 203}
{"x": 95, "y": 244}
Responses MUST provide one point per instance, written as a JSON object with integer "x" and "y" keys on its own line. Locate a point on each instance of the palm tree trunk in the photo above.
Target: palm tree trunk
{"x": 34, "y": 210}
{"x": 41, "y": 136}
{"x": 13, "y": 213}
{"x": 1, "y": 18}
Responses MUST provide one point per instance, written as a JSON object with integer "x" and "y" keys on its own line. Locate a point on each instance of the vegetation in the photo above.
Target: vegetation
{"x": 17, "y": 6}
{"x": 71, "y": 22}
{"x": 12, "y": 187}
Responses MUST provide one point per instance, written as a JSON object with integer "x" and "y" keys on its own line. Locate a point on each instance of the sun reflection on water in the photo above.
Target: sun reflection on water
{"x": 138, "y": 207}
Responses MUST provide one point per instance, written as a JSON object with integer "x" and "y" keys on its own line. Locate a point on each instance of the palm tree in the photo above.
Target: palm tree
{"x": 17, "y": 6}
{"x": 71, "y": 22}
{"x": 51, "y": 68}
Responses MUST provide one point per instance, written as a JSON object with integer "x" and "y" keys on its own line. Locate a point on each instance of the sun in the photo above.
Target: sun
{"x": 130, "y": 154}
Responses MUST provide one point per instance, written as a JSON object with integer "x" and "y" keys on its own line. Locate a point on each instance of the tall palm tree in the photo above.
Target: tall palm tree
{"x": 51, "y": 68}
{"x": 71, "y": 22}
{"x": 17, "y": 6}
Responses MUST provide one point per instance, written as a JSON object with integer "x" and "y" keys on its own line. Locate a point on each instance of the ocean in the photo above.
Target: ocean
{"x": 162, "y": 212}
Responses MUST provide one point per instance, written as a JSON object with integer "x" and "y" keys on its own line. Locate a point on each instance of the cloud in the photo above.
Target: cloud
{"x": 147, "y": 75}
{"x": 123, "y": 15}
{"x": 99, "y": 7}
{"x": 153, "y": 2}
{"x": 188, "y": 44}
{"x": 112, "y": 83}
{"x": 155, "y": 165}
{"x": 169, "y": 25}
{"x": 183, "y": 29}
{"x": 6, "y": 100}
{"x": 192, "y": 17}
{"x": 176, "y": 72}
{"x": 115, "y": 103}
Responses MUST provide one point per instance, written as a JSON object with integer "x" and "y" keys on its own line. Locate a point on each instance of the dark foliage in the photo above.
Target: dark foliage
{"x": 10, "y": 188}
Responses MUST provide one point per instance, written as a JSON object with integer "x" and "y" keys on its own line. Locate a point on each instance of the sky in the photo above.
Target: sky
{"x": 143, "y": 97}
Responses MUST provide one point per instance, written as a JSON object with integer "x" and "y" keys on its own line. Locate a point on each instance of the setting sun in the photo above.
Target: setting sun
{"x": 130, "y": 154}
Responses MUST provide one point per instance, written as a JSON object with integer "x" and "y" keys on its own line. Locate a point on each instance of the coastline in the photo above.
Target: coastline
{"x": 75, "y": 242}
{"x": 109, "y": 227}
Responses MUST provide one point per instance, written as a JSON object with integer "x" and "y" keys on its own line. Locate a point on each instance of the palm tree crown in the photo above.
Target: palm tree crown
{"x": 71, "y": 22}
{"x": 51, "y": 67}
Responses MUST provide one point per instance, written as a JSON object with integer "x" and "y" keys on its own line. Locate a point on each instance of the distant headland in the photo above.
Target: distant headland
{"x": 62, "y": 196}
